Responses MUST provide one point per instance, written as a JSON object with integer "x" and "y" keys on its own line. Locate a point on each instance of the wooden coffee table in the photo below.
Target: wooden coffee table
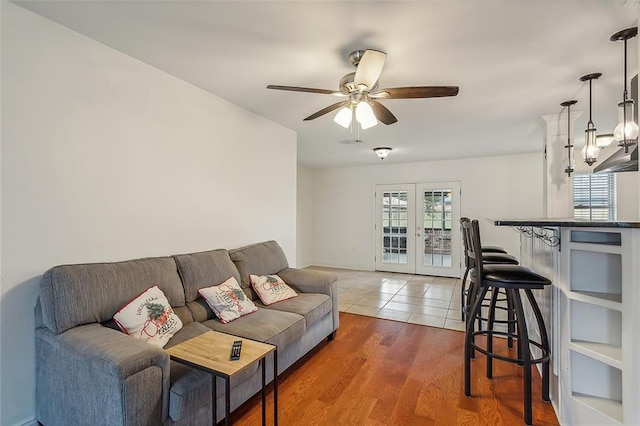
{"x": 210, "y": 352}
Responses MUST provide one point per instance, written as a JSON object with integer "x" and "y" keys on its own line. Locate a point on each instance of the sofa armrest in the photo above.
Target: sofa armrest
{"x": 311, "y": 281}
{"x": 106, "y": 376}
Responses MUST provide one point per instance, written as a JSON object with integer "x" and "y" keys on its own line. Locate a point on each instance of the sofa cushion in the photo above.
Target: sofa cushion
{"x": 149, "y": 317}
{"x": 204, "y": 269}
{"x": 258, "y": 259}
{"x": 271, "y": 289}
{"x": 227, "y": 300}
{"x": 312, "y": 306}
{"x": 73, "y": 295}
{"x": 265, "y": 325}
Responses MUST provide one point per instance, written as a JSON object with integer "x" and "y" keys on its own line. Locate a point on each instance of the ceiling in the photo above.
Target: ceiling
{"x": 514, "y": 61}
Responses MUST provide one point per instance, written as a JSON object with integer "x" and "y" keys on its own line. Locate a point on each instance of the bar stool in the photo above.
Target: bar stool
{"x": 512, "y": 279}
{"x": 490, "y": 256}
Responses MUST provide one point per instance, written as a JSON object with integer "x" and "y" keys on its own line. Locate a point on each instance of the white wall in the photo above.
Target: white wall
{"x": 106, "y": 158}
{"x": 305, "y": 216}
{"x": 492, "y": 187}
{"x": 627, "y": 196}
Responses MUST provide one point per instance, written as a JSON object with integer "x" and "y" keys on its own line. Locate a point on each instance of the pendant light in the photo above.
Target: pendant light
{"x": 626, "y": 132}
{"x": 570, "y": 161}
{"x": 591, "y": 149}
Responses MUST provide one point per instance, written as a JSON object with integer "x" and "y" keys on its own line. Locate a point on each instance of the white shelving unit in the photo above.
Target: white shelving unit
{"x": 598, "y": 356}
{"x": 592, "y": 313}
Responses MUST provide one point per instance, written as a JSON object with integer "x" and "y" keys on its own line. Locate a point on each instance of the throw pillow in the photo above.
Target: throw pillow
{"x": 227, "y": 300}
{"x": 149, "y": 317}
{"x": 271, "y": 288}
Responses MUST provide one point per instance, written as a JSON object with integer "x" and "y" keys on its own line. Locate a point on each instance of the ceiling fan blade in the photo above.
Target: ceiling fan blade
{"x": 417, "y": 92}
{"x": 302, "y": 89}
{"x": 370, "y": 68}
{"x": 382, "y": 113}
{"x": 327, "y": 110}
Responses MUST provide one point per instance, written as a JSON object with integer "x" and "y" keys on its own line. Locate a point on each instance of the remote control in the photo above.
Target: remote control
{"x": 235, "y": 350}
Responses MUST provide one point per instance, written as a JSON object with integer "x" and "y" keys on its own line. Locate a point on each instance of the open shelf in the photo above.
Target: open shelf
{"x": 597, "y": 274}
{"x": 611, "y": 409}
{"x": 607, "y": 354}
{"x": 596, "y": 237}
{"x": 595, "y": 324}
{"x": 596, "y": 384}
{"x": 608, "y": 300}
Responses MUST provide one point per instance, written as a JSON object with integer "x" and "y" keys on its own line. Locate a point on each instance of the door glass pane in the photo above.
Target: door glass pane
{"x": 437, "y": 228}
{"x": 394, "y": 227}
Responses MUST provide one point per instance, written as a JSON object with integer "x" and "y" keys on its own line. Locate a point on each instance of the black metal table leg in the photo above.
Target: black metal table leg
{"x": 264, "y": 392}
{"x": 227, "y": 401}
{"x": 214, "y": 389}
{"x": 275, "y": 387}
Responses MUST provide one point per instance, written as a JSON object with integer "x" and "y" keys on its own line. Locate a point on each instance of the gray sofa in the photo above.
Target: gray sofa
{"x": 89, "y": 372}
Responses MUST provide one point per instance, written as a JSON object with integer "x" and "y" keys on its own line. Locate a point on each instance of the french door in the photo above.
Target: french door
{"x": 417, "y": 228}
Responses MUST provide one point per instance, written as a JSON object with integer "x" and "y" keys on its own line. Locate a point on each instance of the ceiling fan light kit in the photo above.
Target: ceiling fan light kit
{"x": 382, "y": 151}
{"x": 365, "y": 116}
{"x": 344, "y": 117}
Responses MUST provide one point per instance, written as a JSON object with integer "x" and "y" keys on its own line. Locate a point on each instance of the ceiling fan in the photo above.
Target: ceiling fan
{"x": 363, "y": 94}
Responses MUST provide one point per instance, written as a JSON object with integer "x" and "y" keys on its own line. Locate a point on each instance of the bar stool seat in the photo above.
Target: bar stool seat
{"x": 512, "y": 279}
{"x": 507, "y": 276}
{"x": 490, "y": 255}
{"x": 493, "y": 249}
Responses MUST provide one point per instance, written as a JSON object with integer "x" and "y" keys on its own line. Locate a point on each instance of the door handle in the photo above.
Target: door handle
{"x": 418, "y": 231}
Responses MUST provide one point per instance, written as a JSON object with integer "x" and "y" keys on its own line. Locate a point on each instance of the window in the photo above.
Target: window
{"x": 594, "y": 196}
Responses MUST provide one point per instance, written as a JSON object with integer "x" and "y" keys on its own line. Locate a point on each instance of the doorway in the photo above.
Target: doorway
{"x": 417, "y": 228}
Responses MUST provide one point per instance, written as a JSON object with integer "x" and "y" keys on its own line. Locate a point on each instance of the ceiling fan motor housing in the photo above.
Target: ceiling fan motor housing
{"x": 347, "y": 85}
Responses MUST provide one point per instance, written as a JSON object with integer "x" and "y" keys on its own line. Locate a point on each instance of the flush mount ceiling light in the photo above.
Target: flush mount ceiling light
{"x": 626, "y": 132}
{"x": 591, "y": 149}
{"x": 382, "y": 151}
{"x": 570, "y": 161}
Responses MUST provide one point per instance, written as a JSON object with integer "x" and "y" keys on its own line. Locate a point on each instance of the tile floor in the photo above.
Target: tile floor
{"x": 417, "y": 299}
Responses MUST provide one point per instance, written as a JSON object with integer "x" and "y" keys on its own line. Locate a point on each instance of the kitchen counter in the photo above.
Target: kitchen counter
{"x": 566, "y": 222}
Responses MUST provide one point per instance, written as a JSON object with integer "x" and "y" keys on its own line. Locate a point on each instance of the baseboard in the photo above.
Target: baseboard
{"x": 355, "y": 268}
{"x": 28, "y": 422}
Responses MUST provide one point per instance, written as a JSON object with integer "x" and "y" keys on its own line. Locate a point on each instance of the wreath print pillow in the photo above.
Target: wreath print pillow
{"x": 227, "y": 300}
{"x": 271, "y": 288}
{"x": 149, "y": 317}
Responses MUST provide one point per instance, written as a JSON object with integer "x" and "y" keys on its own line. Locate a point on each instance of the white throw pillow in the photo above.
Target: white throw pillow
{"x": 271, "y": 288}
{"x": 227, "y": 300}
{"x": 149, "y": 317}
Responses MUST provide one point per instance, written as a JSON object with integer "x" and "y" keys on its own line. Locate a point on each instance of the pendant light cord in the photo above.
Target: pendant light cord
{"x": 590, "y": 109}
{"x": 625, "y": 93}
{"x": 624, "y": 100}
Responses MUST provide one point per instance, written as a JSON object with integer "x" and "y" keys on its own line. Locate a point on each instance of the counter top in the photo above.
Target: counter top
{"x": 566, "y": 222}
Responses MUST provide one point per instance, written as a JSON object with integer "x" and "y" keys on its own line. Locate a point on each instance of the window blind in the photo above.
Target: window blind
{"x": 594, "y": 196}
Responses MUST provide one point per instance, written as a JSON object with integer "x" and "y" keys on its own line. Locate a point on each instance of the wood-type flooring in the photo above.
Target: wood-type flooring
{"x": 382, "y": 372}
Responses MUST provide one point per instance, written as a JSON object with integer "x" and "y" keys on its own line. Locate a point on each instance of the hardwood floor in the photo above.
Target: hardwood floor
{"x": 381, "y": 372}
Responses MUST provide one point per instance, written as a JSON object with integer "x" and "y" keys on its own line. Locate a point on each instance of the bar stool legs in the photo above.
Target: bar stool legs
{"x": 517, "y": 330}
{"x": 544, "y": 338}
